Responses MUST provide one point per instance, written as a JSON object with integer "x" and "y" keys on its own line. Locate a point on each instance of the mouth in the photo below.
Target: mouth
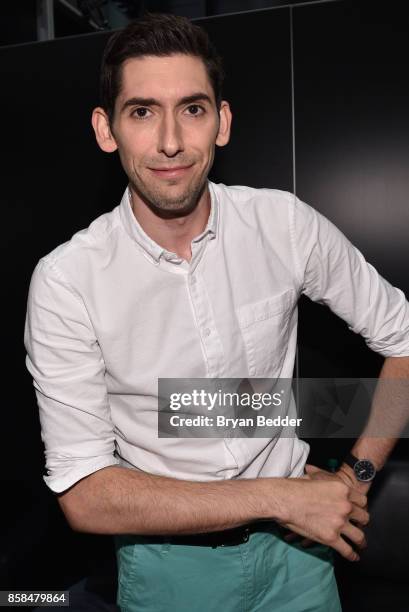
{"x": 171, "y": 172}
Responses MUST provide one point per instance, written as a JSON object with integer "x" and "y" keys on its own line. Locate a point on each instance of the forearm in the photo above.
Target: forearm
{"x": 118, "y": 500}
{"x": 389, "y": 414}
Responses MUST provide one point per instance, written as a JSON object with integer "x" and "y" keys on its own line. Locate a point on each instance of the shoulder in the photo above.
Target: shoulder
{"x": 85, "y": 248}
{"x": 257, "y": 206}
{"x": 269, "y": 203}
{"x": 253, "y": 196}
{"x": 280, "y": 199}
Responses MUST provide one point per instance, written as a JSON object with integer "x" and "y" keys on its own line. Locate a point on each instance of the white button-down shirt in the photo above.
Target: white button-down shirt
{"x": 110, "y": 311}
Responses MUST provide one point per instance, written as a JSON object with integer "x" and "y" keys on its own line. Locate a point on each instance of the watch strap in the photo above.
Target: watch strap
{"x": 350, "y": 460}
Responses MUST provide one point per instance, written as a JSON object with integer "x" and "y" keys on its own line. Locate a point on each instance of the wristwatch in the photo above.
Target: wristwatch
{"x": 364, "y": 469}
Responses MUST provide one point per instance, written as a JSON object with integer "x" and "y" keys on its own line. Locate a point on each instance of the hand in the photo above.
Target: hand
{"x": 312, "y": 472}
{"x": 345, "y": 474}
{"x": 323, "y": 509}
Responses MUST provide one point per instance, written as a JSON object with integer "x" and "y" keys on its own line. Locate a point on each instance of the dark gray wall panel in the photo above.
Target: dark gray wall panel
{"x": 257, "y": 58}
{"x": 352, "y": 162}
{"x": 352, "y": 131}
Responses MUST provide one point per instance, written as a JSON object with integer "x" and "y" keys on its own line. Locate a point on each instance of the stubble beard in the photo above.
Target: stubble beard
{"x": 165, "y": 206}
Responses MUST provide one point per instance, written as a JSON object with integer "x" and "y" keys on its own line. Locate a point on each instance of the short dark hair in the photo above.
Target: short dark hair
{"x": 157, "y": 34}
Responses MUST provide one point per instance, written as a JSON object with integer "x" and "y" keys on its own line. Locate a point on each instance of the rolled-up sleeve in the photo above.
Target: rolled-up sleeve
{"x": 334, "y": 272}
{"x": 65, "y": 361}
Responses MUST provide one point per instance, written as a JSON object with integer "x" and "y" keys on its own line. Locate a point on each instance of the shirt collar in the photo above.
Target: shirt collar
{"x": 154, "y": 250}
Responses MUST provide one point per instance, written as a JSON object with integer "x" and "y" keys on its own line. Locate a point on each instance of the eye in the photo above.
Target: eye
{"x": 195, "y": 110}
{"x": 140, "y": 113}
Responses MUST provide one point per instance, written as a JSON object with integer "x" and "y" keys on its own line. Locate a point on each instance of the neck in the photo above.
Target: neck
{"x": 173, "y": 234}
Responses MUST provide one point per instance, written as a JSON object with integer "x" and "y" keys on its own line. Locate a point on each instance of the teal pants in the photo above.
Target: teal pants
{"x": 264, "y": 574}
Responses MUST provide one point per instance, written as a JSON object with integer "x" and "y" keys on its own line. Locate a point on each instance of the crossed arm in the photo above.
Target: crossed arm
{"x": 318, "y": 506}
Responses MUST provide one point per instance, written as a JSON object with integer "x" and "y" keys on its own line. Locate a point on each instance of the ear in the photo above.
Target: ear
{"x": 223, "y": 135}
{"x": 103, "y": 133}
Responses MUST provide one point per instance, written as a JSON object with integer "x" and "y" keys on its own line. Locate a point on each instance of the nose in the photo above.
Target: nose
{"x": 170, "y": 139}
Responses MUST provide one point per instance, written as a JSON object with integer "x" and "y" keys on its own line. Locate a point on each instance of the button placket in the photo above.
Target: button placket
{"x": 211, "y": 343}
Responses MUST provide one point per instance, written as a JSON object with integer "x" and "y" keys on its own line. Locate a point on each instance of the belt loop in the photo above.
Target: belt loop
{"x": 246, "y": 534}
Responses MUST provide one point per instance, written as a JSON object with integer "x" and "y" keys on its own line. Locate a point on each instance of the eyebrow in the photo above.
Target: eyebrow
{"x": 196, "y": 97}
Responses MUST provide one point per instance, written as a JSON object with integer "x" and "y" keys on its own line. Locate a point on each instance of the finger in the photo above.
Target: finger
{"x": 355, "y": 534}
{"x": 360, "y": 515}
{"x": 358, "y": 498}
{"x": 345, "y": 550}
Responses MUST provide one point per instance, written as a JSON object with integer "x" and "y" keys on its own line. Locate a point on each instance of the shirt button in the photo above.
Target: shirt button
{"x": 206, "y": 331}
{"x": 192, "y": 280}
{"x": 252, "y": 371}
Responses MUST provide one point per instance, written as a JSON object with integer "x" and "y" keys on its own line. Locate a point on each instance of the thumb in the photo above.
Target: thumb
{"x": 311, "y": 469}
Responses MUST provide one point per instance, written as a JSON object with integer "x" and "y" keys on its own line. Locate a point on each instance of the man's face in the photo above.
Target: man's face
{"x": 165, "y": 127}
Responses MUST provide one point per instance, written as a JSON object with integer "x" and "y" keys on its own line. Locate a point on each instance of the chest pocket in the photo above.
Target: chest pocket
{"x": 264, "y": 327}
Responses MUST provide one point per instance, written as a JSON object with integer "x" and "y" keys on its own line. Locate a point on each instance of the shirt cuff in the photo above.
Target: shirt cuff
{"x": 58, "y": 482}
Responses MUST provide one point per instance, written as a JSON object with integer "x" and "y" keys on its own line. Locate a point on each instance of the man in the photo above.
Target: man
{"x": 188, "y": 279}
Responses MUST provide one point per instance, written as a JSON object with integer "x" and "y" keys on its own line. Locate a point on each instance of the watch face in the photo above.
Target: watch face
{"x": 364, "y": 470}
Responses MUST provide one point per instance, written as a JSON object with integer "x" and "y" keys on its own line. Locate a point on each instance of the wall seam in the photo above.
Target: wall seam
{"x": 297, "y": 357}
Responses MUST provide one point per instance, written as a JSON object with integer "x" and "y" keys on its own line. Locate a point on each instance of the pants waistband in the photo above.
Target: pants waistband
{"x": 227, "y": 537}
